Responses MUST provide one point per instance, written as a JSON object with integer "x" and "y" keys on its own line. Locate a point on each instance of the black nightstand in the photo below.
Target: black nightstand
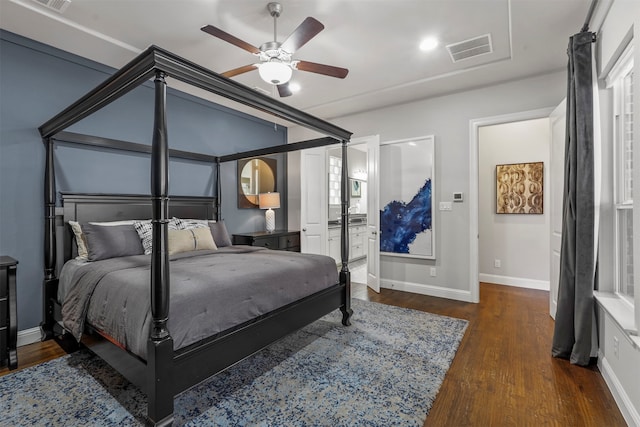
{"x": 282, "y": 240}
{"x": 8, "y": 313}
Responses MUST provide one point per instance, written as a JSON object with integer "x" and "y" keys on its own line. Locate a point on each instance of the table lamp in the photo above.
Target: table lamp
{"x": 270, "y": 201}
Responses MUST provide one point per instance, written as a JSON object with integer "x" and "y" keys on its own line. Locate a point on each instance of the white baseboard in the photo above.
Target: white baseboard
{"x": 434, "y": 291}
{"x": 629, "y": 412}
{"x": 519, "y": 282}
{"x": 29, "y": 336}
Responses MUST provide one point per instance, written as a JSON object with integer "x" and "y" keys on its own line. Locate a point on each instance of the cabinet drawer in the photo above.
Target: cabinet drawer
{"x": 266, "y": 242}
{"x": 3, "y": 313}
{"x": 289, "y": 241}
{"x": 334, "y": 233}
{"x": 361, "y": 229}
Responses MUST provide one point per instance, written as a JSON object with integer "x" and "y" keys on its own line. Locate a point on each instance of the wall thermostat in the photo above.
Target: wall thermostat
{"x": 458, "y": 197}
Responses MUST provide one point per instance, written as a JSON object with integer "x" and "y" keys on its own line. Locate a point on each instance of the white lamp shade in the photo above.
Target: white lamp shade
{"x": 269, "y": 200}
{"x": 275, "y": 72}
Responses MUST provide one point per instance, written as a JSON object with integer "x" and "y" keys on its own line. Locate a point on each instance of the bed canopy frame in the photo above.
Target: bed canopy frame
{"x": 161, "y": 382}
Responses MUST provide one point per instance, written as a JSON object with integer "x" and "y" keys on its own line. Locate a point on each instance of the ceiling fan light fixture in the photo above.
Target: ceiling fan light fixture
{"x": 275, "y": 72}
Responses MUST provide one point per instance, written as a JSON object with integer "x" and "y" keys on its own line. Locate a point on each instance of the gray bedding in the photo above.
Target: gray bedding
{"x": 211, "y": 291}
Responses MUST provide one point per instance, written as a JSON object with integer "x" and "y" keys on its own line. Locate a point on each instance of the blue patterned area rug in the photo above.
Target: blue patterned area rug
{"x": 384, "y": 370}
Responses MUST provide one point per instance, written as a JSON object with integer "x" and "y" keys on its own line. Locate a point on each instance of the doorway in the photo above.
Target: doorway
{"x": 358, "y": 212}
{"x": 513, "y": 203}
{"x": 474, "y": 193}
{"x": 364, "y": 240}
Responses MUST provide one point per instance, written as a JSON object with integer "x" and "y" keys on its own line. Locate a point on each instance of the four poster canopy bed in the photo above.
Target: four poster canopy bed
{"x": 216, "y": 310}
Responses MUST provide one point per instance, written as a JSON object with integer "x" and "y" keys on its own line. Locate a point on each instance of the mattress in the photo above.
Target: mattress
{"x": 210, "y": 292}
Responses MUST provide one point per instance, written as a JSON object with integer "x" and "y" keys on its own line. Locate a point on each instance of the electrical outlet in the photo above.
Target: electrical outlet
{"x": 445, "y": 206}
{"x": 616, "y": 346}
{"x": 497, "y": 263}
{"x": 433, "y": 272}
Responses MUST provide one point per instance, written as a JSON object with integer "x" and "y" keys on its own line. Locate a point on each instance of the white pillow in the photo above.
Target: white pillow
{"x": 186, "y": 224}
{"x": 81, "y": 243}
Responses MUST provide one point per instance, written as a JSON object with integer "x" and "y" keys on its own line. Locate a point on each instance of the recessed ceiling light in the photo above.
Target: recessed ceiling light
{"x": 428, "y": 44}
{"x": 294, "y": 87}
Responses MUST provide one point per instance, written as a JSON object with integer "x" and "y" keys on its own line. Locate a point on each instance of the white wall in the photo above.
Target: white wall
{"x": 447, "y": 118}
{"x": 520, "y": 242}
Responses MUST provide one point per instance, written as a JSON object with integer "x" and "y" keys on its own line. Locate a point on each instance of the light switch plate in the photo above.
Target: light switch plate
{"x": 445, "y": 206}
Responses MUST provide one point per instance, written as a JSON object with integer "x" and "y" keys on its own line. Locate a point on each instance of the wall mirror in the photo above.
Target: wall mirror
{"x": 255, "y": 176}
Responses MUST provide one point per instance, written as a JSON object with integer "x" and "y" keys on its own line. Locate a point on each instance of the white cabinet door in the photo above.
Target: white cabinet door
{"x": 357, "y": 239}
{"x": 313, "y": 209}
{"x": 556, "y": 176}
{"x": 334, "y": 244}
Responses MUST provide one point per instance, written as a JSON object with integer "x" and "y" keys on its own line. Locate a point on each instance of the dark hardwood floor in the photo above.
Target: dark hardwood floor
{"x": 502, "y": 375}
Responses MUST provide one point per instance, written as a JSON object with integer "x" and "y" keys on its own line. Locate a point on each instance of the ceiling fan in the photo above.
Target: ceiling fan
{"x": 276, "y": 64}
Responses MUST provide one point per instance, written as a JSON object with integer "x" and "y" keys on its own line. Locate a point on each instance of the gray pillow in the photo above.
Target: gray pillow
{"x": 111, "y": 241}
{"x": 220, "y": 234}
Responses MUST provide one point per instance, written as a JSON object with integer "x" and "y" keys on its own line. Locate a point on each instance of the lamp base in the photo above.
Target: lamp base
{"x": 270, "y": 219}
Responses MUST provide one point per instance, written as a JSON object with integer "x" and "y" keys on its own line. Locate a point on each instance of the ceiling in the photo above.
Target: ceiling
{"x": 377, "y": 40}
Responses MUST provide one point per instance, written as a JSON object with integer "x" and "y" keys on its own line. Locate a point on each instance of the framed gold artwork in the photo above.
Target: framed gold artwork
{"x": 519, "y": 188}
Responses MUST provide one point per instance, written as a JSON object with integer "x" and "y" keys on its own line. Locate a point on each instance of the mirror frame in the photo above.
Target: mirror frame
{"x": 243, "y": 201}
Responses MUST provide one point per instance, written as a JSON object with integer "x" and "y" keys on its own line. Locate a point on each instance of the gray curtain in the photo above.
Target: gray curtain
{"x": 574, "y": 316}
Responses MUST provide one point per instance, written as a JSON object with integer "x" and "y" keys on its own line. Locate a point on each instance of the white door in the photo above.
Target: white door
{"x": 373, "y": 210}
{"x": 558, "y": 124}
{"x": 313, "y": 209}
{"x": 373, "y": 213}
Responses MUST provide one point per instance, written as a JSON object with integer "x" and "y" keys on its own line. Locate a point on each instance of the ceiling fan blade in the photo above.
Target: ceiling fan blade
{"x": 301, "y": 35}
{"x": 284, "y": 90}
{"x": 240, "y": 70}
{"x": 217, "y": 32}
{"x": 327, "y": 70}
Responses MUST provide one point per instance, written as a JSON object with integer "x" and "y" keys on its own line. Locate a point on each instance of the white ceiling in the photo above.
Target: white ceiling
{"x": 377, "y": 40}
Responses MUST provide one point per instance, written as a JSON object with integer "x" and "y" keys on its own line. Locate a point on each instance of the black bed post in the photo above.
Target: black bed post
{"x": 218, "y": 192}
{"x": 50, "y": 280}
{"x": 345, "y": 274}
{"x": 160, "y": 345}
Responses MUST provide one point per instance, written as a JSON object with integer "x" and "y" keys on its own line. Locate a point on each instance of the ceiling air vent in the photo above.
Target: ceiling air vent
{"x": 57, "y": 5}
{"x": 470, "y": 48}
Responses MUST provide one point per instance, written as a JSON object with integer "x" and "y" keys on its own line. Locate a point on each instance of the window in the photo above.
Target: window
{"x": 621, "y": 80}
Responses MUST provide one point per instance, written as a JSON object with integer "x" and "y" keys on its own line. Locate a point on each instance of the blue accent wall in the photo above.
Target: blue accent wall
{"x": 37, "y": 82}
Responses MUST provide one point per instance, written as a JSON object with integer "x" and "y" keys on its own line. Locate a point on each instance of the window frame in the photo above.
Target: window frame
{"x": 615, "y": 81}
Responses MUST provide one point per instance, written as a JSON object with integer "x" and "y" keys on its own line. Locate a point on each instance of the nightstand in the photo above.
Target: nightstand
{"x": 282, "y": 240}
{"x": 8, "y": 313}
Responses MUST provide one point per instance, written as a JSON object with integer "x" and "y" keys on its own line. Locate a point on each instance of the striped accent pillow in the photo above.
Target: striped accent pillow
{"x": 145, "y": 231}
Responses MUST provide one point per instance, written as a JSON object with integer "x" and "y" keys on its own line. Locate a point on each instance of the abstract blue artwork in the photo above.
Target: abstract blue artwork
{"x": 402, "y": 222}
{"x": 406, "y": 198}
